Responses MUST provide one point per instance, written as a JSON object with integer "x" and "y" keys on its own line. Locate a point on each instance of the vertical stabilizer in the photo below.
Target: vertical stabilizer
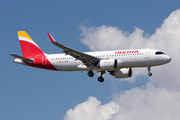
{"x": 28, "y": 46}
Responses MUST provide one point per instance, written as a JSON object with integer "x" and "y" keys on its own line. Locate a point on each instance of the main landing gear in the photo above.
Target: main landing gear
{"x": 149, "y": 71}
{"x": 100, "y": 78}
{"x": 90, "y": 74}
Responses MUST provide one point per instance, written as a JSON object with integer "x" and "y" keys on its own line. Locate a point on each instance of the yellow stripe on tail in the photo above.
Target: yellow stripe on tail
{"x": 24, "y": 34}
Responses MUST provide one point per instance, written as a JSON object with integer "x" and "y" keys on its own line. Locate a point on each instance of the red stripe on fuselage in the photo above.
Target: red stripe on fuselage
{"x": 38, "y": 62}
{"x": 31, "y": 51}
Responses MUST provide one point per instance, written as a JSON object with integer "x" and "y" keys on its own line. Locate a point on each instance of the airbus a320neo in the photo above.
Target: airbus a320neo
{"x": 117, "y": 62}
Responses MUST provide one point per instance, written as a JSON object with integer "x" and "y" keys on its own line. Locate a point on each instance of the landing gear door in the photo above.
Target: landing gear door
{"x": 147, "y": 54}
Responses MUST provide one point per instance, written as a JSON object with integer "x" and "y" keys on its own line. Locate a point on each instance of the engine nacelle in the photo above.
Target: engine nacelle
{"x": 107, "y": 64}
{"x": 122, "y": 73}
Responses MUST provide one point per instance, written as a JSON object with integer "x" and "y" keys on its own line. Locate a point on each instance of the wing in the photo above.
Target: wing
{"x": 87, "y": 59}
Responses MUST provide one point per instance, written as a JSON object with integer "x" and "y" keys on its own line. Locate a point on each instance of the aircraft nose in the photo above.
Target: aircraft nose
{"x": 168, "y": 59}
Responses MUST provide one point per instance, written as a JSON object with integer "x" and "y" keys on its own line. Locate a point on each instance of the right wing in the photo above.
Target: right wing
{"x": 87, "y": 59}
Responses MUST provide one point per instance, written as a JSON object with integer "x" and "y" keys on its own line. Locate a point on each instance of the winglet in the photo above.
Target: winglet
{"x": 51, "y": 38}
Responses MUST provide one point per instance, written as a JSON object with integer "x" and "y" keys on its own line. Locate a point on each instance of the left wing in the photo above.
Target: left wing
{"x": 87, "y": 59}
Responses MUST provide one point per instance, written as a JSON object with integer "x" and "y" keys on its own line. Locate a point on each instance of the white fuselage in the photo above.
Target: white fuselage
{"x": 127, "y": 59}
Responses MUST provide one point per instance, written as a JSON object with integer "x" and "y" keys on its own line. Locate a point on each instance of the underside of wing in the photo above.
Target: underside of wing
{"x": 87, "y": 59}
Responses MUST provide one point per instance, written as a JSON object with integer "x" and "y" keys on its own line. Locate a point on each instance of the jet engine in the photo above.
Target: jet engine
{"x": 122, "y": 73}
{"x": 107, "y": 64}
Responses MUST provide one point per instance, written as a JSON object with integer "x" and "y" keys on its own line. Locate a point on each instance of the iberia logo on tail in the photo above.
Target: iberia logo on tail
{"x": 28, "y": 46}
{"x": 32, "y": 54}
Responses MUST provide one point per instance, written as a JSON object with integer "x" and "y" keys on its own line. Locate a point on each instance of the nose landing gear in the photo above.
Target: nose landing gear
{"x": 150, "y": 74}
{"x": 149, "y": 71}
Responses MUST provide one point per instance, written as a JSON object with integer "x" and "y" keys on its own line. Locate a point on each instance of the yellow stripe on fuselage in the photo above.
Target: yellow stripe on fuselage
{"x": 24, "y": 34}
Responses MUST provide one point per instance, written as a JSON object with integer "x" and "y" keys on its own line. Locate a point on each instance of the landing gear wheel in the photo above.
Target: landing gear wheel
{"x": 100, "y": 79}
{"x": 90, "y": 74}
{"x": 149, "y": 70}
{"x": 150, "y": 74}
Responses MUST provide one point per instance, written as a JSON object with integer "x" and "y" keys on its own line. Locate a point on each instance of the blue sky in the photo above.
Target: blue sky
{"x": 31, "y": 93}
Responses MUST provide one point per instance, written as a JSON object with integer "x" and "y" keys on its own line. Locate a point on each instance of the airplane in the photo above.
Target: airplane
{"x": 118, "y": 63}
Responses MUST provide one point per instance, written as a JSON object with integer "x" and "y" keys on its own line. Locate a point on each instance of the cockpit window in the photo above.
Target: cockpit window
{"x": 159, "y": 53}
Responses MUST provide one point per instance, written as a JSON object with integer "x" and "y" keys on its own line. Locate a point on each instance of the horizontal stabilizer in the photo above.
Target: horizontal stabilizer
{"x": 20, "y": 57}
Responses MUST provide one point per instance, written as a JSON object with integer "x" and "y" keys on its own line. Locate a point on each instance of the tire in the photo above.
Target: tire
{"x": 90, "y": 74}
{"x": 150, "y": 74}
{"x": 101, "y": 79}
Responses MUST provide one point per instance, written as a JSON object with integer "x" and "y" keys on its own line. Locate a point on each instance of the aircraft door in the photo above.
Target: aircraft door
{"x": 147, "y": 54}
{"x": 44, "y": 60}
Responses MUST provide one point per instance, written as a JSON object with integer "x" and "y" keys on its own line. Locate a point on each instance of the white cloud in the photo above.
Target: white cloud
{"x": 136, "y": 104}
{"x": 146, "y": 103}
{"x": 92, "y": 110}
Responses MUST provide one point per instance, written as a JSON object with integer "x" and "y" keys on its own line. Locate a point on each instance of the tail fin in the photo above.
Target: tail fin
{"x": 28, "y": 46}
